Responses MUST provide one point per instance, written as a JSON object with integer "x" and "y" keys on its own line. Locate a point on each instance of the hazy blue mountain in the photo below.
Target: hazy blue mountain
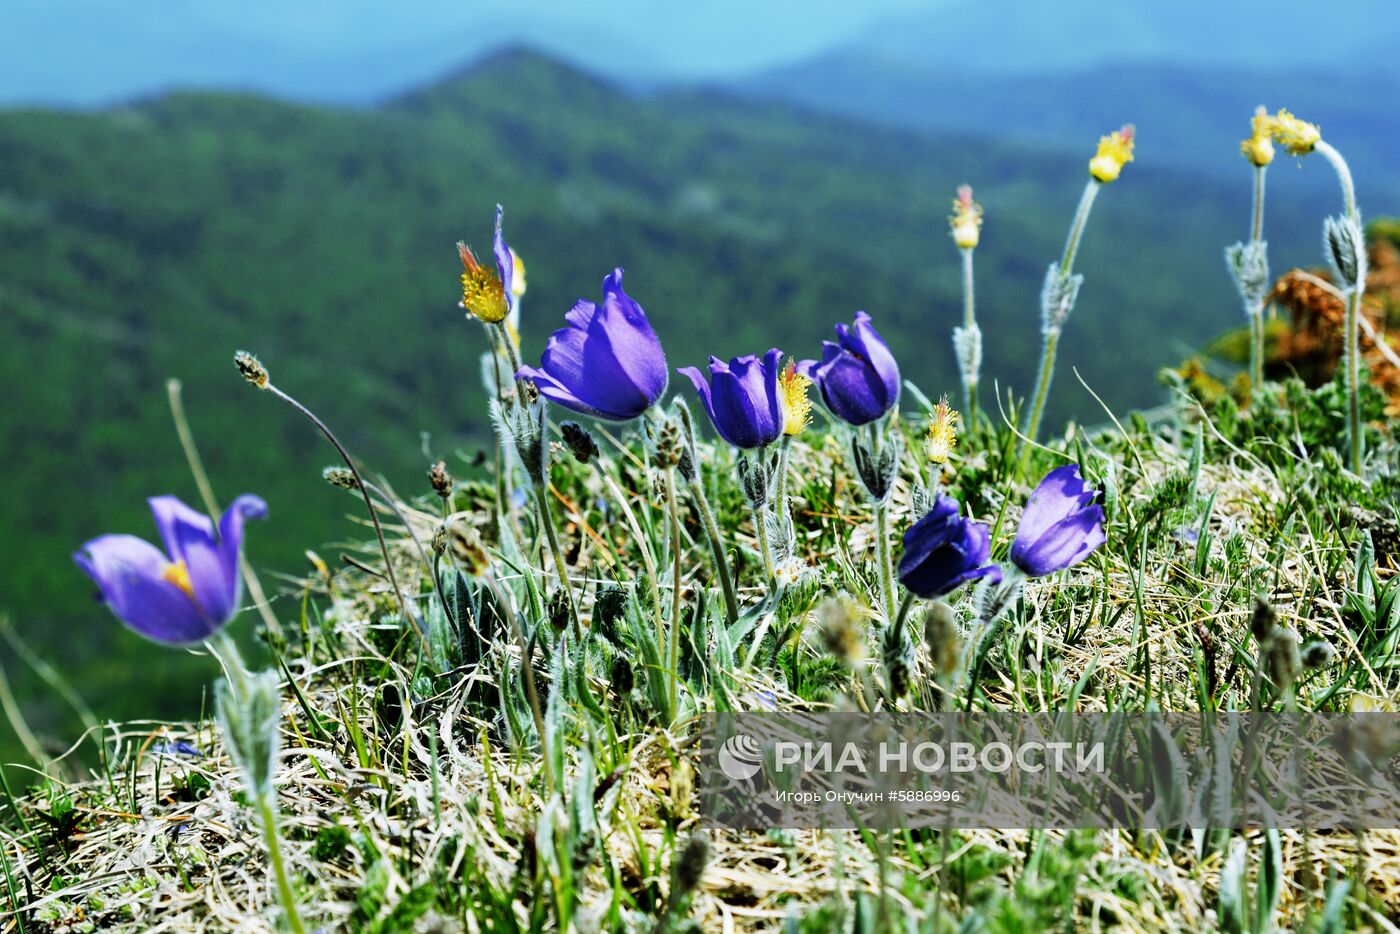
{"x": 1002, "y": 37}
{"x": 1188, "y": 117}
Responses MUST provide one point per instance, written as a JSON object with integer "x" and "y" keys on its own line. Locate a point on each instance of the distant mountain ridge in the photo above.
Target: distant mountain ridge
{"x": 1188, "y": 117}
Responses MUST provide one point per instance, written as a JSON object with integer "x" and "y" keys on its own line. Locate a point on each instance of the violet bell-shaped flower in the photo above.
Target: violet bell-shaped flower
{"x": 185, "y": 594}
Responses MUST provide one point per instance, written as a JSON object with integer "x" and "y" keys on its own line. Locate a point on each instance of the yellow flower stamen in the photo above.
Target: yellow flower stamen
{"x": 792, "y": 393}
{"x": 178, "y": 573}
{"x": 1259, "y": 148}
{"x": 1115, "y": 151}
{"x": 482, "y": 292}
{"x": 1299, "y": 137}
{"x": 942, "y": 433}
{"x": 966, "y": 219}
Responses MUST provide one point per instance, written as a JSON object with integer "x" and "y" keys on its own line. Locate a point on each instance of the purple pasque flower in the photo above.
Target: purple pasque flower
{"x": 607, "y": 362}
{"x": 857, "y": 375}
{"x": 742, "y": 398}
{"x": 1062, "y": 524}
{"x": 188, "y": 592}
{"x": 943, "y": 551}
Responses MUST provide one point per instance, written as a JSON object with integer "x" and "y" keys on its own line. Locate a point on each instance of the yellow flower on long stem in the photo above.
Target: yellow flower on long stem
{"x": 792, "y": 392}
{"x": 1115, "y": 151}
{"x": 1259, "y": 148}
{"x": 942, "y": 433}
{"x": 966, "y": 219}
{"x": 1299, "y": 137}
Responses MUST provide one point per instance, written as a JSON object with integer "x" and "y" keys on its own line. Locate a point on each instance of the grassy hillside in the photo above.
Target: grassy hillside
{"x": 152, "y": 240}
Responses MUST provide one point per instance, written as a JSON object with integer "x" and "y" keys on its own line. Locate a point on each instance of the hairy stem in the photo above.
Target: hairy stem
{"x": 969, "y": 322}
{"x": 1042, "y": 392}
{"x": 882, "y": 545}
{"x": 1076, "y": 230}
{"x": 707, "y": 517}
{"x": 1256, "y": 310}
{"x": 267, "y": 811}
{"x": 557, "y": 553}
{"x": 1355, "y": 438}
{"x": 673, "y": 654}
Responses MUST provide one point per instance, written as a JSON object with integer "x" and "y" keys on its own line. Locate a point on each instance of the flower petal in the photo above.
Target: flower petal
{"x": 130, "y": 572}
{"x": 189, "y": 537}
{"x": 634, "y": 344}
{"x": 239, "y": 511}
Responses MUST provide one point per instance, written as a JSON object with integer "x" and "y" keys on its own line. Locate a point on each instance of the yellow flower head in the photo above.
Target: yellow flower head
{"x": 792, "y": 392}
{"x": 482, "y": 292}
{"x": 1259, "y": 148}
{"x": 1299, "y": 137}
{"x": 1115, "y": 151}
{"x": 517, "y": 274}
{"x": 942, "y": 433}
{"x": 966, "y": 219}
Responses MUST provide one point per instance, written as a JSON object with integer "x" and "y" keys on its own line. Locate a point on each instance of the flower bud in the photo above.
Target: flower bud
{"x": 1299, "y": 137}
{"x": 579, "y": 442}
{"x": 1115, "y": 151}
{"x": 340, "y": 477}
{"x": 1259, "y": 148}
{"x": 965, "y": 223}
{"x": 441, "y": 480}
{"x": 251, "y": 368}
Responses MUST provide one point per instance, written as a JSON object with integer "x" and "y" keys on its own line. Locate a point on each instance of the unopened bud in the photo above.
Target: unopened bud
{"x": 251, "y": 368}
{"x": 341, "y": 477}
{"x": 579, "y": 442}
{"x": 441, "y": 480}
{"x": 1262, "y": 620}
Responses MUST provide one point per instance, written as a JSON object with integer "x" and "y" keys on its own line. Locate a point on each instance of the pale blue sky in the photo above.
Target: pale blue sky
{"x": 93, "y": 51}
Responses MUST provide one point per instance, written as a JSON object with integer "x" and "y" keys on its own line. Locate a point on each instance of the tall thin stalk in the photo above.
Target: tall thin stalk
{"x": 557, "y": 553}
{"x": 970, "y": 377}
{"x": 1050, "y": 326}
{"x": 257, "y": 375}
{"x": 673, "y": 655}
{"x": 1355, "y": 438}
{"x": 1256, "y": 307}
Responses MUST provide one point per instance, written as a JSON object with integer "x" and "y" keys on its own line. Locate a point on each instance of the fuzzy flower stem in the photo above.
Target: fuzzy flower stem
{"x": 1339, "y": 165}
{"x": 707, "y": 516}
{"x": 760, "y": 528}
{"x": 969, "y": 322}
{"x": 1256, "y": 311}
{"x": 512, "y": 356}
{"x": 882, "y": 540}
{"x": 268, "y": 812}
{"x": 673, "y": 655}
{"x": 223, "y": 648}
{"x": 784, "y": 444}
{"x": 882, "y": 544}
{"x": 557, "y": 553}
{"x": 1353, "y": 314}
{"x": 1076, "y": 230}
{"x": 369, "y": 504}
{"x": 1052, "y": 338}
